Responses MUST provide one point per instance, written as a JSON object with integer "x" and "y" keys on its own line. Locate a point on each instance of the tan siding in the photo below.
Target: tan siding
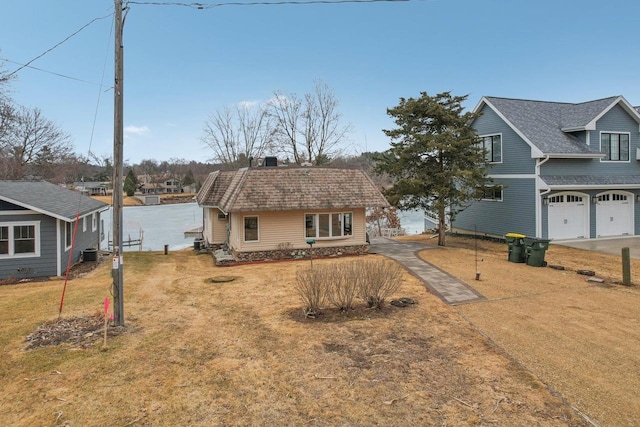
{"x": 288, "y": 227}
{"x": 207, "y": 232}
{"x": 215, "y": 230}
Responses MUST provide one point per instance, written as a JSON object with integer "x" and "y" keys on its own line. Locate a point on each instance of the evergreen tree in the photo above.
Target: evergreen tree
{"x": 130, "y": 183}
{"x": 434, "y": 159}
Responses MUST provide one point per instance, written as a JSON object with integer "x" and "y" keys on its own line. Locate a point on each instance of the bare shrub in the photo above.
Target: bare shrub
{"x": 284, "y": 246}
{"x": 311, "y": 288}
{"x": 378, "y": 280}
{"x": 343, "y": 285}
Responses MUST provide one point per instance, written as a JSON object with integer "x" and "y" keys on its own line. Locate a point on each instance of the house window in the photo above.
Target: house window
{"x": 24, "y": 239}
{"x": 328, "y": 225}
{"x": 492, "y": 193}
{"x": 94, "y": 221}
{"x": 492, "y": 146}
{"x": 250, "y": 228}
{"x": 4, "y": 240}
{"x": 84, "y": 224}
{"x": 19, "y": 239}
{"x": 68, "y": 234}
{"x": 615, "y": 146}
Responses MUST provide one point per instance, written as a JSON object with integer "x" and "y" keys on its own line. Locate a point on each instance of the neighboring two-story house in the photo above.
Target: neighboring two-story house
{"x": 561, "y": 170}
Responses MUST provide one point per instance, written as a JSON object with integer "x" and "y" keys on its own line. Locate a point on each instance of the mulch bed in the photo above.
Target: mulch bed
{"x": 78, "y": 331}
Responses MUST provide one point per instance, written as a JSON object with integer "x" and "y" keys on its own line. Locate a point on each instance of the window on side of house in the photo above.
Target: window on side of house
{"x": 492, "y": 145}
{"x": 615, "y": 146}
{"x": 84, "y": 224}
{"x": 24, "y": 239}
{"x": 19, "y": 239}
{"x": 68, "y": 234}
{"x": 94, "y": 221}
{"x": 493, "y": 193}
{"x": 328, "y": 225}
{"x": 4, "y": 240}
{"x": 251, "y": 229}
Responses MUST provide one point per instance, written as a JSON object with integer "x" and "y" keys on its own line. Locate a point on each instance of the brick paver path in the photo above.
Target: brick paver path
{"x": 448, "y": 288}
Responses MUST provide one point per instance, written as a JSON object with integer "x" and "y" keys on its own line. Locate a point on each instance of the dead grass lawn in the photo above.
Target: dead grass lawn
{"x": 581, "y": 338}
{"x": 239, "y": 353}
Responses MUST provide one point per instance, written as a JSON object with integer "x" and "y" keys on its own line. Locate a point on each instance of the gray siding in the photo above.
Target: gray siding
{"x": 84, "y": 240}
{"x": 515, "y": 213}
{"x": 617, "y": 120}
{"x": 516, "y": 153}
{"x": 571, "y": 167}
{"x": 45, "y": 264}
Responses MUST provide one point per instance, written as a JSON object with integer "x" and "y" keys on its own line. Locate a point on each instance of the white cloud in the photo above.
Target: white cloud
{"x": 248, "y": 104}
{"x": 137, "y": 130}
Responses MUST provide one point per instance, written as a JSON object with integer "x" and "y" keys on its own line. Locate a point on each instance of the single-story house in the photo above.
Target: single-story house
{"x": 272, "y": 212}
{"x": 91, "y": 188}
{"x": 560, "y": 170}
{"x": 36, "y": 227}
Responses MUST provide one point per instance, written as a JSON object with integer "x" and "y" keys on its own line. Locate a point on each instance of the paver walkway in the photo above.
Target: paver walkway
{"x": 448, "y": 288}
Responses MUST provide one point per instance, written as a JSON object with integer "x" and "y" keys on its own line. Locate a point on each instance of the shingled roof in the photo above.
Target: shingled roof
{"x": 289, "y": 188}
{"x": 547, "y": 125}
{"x": 49, "y": 199}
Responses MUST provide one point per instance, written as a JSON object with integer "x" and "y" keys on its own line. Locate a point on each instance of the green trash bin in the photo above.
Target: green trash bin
{"x": 535, "y": 250}
{"x": 516, "y": 247}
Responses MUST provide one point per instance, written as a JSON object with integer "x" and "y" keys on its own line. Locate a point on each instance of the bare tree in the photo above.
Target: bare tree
{"x": 237, "y": 134}
{"x": 309, "y": 129}
{"x": 32, "y": 143}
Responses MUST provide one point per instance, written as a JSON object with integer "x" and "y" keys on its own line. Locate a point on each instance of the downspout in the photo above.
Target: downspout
{"x": 539, "y": 195}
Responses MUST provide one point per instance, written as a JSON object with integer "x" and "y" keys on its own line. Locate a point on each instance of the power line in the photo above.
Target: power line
{"x": 203, "y": 6}
{"x": 58, "y": 44}
{"x": 52, "y": 72}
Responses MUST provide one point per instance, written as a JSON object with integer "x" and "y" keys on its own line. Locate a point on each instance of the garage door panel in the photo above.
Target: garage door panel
{"x": 568, "y": 216}
{"x": 614, "y": 214}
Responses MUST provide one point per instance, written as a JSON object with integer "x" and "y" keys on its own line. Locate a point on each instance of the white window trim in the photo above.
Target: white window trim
{"x": 67, "y": 245}
{"x": 501, "y": 146}
{"x": 496, "y": 200}
{"x": 244, "y": 236}
{"x": 603, "y": 160}
{"x": 36, "y": 231}
{"x": 84, "y": 224}
{"x": 317, "y": 225}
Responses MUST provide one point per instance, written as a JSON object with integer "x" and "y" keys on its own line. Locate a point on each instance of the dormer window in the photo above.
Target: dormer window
{"x": 615, "y": 146}
{"x": 492, "y": 145}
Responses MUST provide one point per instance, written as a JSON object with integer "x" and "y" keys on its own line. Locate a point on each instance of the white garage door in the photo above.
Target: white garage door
{"x": 614, "y": 214}
{"x": 568, "y": 215}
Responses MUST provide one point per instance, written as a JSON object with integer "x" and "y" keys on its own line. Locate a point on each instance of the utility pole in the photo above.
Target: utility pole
{"x": 118, "y": 139}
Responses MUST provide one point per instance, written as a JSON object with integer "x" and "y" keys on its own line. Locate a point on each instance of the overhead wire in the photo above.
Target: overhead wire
{"x": 53, "y": 73}
{"x": 59, "y": 43}
{"x": 204, "y": 6}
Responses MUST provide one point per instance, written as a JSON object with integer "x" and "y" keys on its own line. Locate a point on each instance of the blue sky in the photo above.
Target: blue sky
{"x": 181, "y": 64}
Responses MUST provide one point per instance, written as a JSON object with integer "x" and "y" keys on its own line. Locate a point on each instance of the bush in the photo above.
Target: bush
{"x": 340, "y": 284}
{"x": 378, "y": 281}
{"x": 312, "y": 291}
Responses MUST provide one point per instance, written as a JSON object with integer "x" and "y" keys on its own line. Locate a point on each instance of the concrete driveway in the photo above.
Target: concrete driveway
{"x": 611, "y": 246}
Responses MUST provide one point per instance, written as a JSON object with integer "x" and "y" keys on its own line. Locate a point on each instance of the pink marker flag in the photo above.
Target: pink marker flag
{"x": 111, "y": 317}
{"x": 106, "y": 306}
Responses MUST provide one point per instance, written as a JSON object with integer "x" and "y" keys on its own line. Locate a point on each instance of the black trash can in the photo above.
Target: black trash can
{"x": 516, "y": 247}
{"x": 90, "y": 255}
